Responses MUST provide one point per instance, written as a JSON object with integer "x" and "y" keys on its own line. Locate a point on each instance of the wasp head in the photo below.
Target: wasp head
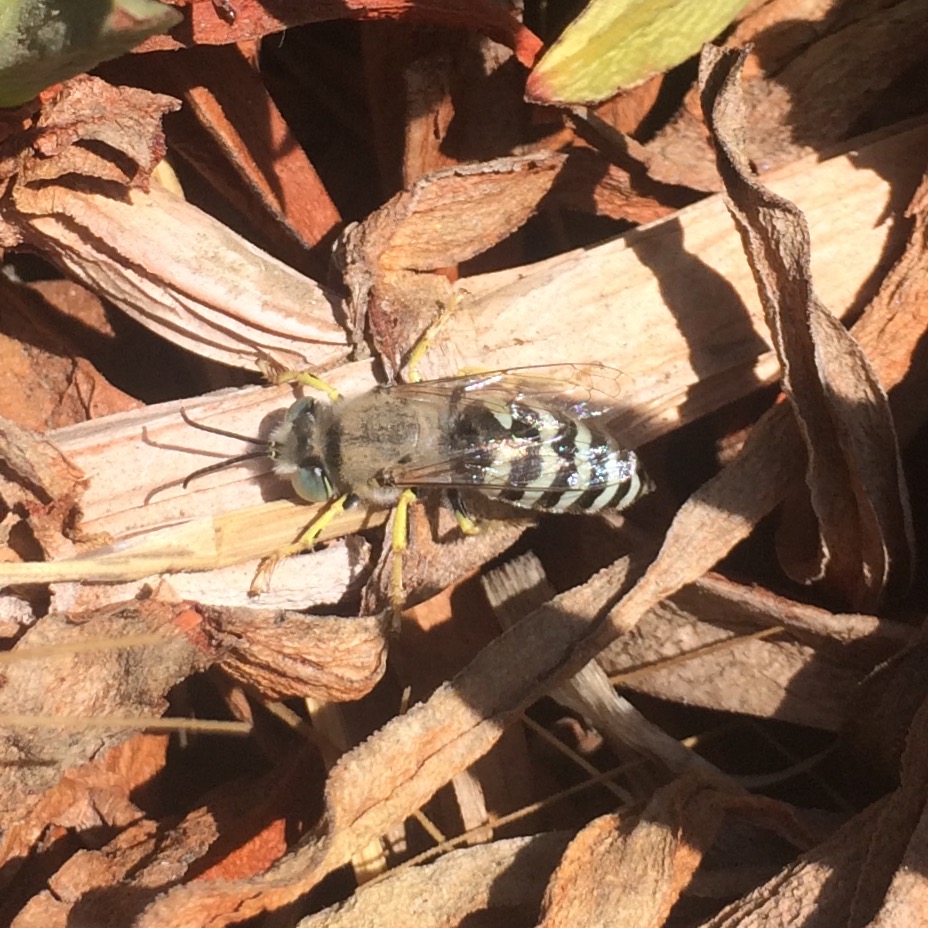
{"x": 295, "y": 450}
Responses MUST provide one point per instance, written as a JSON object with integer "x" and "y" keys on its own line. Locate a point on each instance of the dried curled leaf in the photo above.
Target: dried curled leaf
{"x": 814, "y": 69}
{"x": 444, "y": 218}
{"x": 855, "y": 476}
{"x": 78, "y": 188}
{"x": 740, "y": 649}
{"x": 89, "y": 130}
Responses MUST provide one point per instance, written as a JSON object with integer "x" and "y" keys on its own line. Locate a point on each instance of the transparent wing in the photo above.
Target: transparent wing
{"x": 582, "y": 390}
{"x": 521, "y": 428}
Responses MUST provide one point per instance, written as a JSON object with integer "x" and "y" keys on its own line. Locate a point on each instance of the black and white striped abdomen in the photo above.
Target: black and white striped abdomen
{"x": 547, "y": 459}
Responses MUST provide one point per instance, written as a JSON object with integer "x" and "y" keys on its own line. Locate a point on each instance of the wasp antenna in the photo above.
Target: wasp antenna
{"x": 224, "y": 432}
{"x": 222, "y": 465}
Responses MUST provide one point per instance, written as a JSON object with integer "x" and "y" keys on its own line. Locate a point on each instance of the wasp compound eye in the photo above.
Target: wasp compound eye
{"x": 311, "y": 483}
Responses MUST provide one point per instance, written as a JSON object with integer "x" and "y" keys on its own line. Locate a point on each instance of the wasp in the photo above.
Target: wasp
{"x": 519, "y": 436}
{"x": 530, "y": 437}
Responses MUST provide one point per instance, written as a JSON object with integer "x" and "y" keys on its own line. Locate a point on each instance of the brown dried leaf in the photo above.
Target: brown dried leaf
{"x": 880, "y": 715}
{"x": 456, "y": 213}
{"x": 612, "y": 871}
{"x": 122, "y": 123}
{"x": 146, "y": 251}
{"x": 90, "y": 130}
{"x": 444, "y": 218}
{"x": 289, "y": 654}
{"x": 855, "y": 476}
{"x": 765, "y": 26}
{"x": 458, "y": 99}
{"x": 815, "y": 99}
{"x": 860, "y": 641}
{"x": 627, "y": 110}
{"x": 429, "y": 105}
{"x": 701, "y": 647}
{"x": 147, "y": 254}
{"x": 814, "y": 72}
{"x": 725, "y": 510}
{"x": 87, "y": 873}
{"x": 37, "y": 465}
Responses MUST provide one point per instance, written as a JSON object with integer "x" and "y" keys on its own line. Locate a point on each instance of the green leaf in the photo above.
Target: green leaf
{"x": 615, "y": 44}
{"x": 46, "y": 41}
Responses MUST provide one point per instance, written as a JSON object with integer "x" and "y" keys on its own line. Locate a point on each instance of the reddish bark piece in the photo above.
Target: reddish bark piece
{"x": 257, "y": 18}
{"x": 45, "y": 379}
{"x": 264, "y": 173}
{"x": 75, "y": 682}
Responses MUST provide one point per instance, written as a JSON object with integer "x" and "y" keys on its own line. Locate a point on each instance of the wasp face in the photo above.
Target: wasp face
{"x": 297, "y": 448}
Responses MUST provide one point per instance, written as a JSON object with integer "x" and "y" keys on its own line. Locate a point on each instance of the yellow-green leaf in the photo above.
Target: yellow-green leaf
{"x": 615, "y": 44}
{"x": 46, "y": 41}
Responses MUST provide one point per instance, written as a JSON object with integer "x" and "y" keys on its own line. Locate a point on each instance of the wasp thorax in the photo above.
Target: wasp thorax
{"x": 297, "y": 446}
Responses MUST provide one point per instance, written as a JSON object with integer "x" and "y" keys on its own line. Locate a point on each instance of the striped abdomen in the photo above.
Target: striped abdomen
{"x": 548, "y": 459}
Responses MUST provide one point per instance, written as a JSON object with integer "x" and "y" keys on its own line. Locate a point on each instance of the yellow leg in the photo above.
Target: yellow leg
{"x": 422, "y": 345}
{"x": 466, "y": 524}
{"x": 308, "y": 380}
{"x": 400, "y": 544}
{"x": 306, "y": 540}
